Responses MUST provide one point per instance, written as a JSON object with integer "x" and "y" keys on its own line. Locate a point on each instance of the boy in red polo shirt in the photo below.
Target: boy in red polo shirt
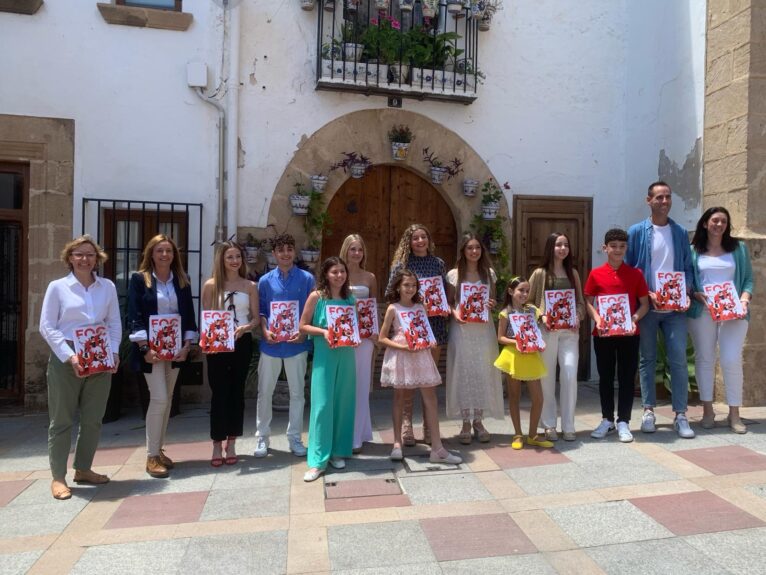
{"x": 613, "y": 278}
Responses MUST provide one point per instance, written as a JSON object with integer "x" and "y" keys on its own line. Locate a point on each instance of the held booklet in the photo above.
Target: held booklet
{"x": 723, "y": 301}
{"x": 561, "y": 309}
{"x": 671, "y": 291}
{"x": 93, "y": 349}
{"x": 367, "y": 314}
{"x": 165, "y": 335}
{"x": 216, "y": 331}
{"x": 474, "y": 302}
{"x": 434, "y": 296}
{"x": 527, "y": 334}
{"x": 417, "y": 330}
{"x": 615, "y": 311}
{"x": 284, "y": 319}
{"x": 342, "y": 325}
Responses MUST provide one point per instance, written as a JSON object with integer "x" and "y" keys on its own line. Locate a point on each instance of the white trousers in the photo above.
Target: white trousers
{"x": 362, "y": 423}
{"x": 561, "y": 346}
{"x": 161, "y": 382}
{"x": 268, "y": 372}
{"x": 730, "y": 338}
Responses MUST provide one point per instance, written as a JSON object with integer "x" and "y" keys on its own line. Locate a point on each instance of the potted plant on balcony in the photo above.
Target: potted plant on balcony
{"x": 490, "y": 7}
{"x": 491, "y": 194}
{"x": 438, "y": 169}
{"x": 299, "y": 199}
{"x": 432, "y": 53}
{"x": 400, "y": 137}
{"x": 385, "y": 43}
{"x": 356, "y": 164}
{"x": 317, "y": 222}
{"x": 318, "y": 182}
{"x": 352, "y": 48}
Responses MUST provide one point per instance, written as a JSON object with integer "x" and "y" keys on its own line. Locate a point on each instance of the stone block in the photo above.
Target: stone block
{"x": 728, "y": 173}
{"x": 731, "y": 34}
{"x": 741, "y": 61}
{"x": 718, "y": 12}
{"x": 727, "y": 103}
{"x": 715, "y": 142}
{"x": 736, "y": 135}
{"x": 719, "y": 73}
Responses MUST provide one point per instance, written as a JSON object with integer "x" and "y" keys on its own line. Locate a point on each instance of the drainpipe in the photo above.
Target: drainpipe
{"x": 220, "y": 230}
{"x": 232, "y": 132}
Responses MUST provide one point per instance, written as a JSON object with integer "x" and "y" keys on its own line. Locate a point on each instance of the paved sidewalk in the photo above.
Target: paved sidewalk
{"x": 661, "y": 504}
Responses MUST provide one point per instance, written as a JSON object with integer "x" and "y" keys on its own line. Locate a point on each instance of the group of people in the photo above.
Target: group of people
{"x": 339, "y": 422}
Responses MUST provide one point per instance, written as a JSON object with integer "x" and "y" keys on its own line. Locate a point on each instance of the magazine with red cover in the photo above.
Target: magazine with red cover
{"x": 367, "y": 314}
{"x": 670, "y": 289}
{"x": 165, "y": 335}
{"x": 615, "y": 311}
{"x": 216, "y": 331}
{"x": 434, "y": 296}
{"x": 474, "y": 302}
{"x": 723, "y": 301}
{"x": 561, "y": 309}
{"x": 284, "y": 319}
{"x": 93, "y": 349}
{"x": 417, "y": 330}
{"x": 342, "y": 325}
{"x": 526, "y": 333}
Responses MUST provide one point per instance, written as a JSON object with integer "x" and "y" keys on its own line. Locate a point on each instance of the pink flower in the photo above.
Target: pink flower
{"x": 395, "y": 25}
{"x": 374, "y": 21}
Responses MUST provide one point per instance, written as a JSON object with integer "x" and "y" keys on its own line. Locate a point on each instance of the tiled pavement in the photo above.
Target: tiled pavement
{"x": 660, "y": 504}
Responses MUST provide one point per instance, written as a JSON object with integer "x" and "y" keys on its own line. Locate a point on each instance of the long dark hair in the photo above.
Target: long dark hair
{"x": 323, "y": 286}
{"x": 699, "y": 241}
{"x": 510, "y": 288}
{"x": 484, "y": 264}
{"x": 392, "y": 292}
{"x": 549, "y": 259}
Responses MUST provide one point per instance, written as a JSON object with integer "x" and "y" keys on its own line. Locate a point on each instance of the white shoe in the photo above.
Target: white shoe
{"x": 445, "y": 456}
{"x": 648, "y": 423}
{"x": 261, "y": 447}
{"x": 338, "y": 462}
{"x": 623, "y": 432}
{"x": 604, "y": 428}
{"x": 681, "y": 425}
{"x": 312, "y": 475}
{"x": 396, "y": 454}
{"x": 296, "y": 446}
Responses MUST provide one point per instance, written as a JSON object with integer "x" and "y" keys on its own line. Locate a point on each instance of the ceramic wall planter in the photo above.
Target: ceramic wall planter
{"x": 485, "y": 23}
{"x": 429, "y": 80}
{"x": 469, "y": 187}
{"x": 399, "y": 150}
{"x": 489, "y": 211}
{"x": 310, "y": 256}
{"x": 251, "y": 254}
{"x": 329, "y": 5}
{"x": 358, "y": 170}
{"x": 430, "y": 7}
{"x": 377, "y": 73}
{"x": 318, "y": 183}
{"x": 353, "y": 52}
{"x": 352, "y": 5}
{"x": 399, "y": 72}
{"x": 308, "y": 4}
{"x": 494, "y": 247}
{"x": 351, "y": 72}
{"x": 437, "y": 174}
{"x": 381, "y": 5}
{"x": 271, "y": 259}
{"x": 300, "y": 204}
{"x": 454, "y": 6}
{"x": 406, "y": 5}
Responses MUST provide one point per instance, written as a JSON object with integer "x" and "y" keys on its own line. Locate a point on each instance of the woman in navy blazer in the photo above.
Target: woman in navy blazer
{"x": 160, "y": 286}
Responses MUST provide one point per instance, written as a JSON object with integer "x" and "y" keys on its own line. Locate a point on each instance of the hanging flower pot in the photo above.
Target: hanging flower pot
{"x": 437, "y": 174}
{"x": 352, "y": 51}
{"x": 494, "y": 247}
{"x": 357, "y": 170}
{"x": 399, "y": 72}
{"x": 399, "y": 150}
{"x": 271, "y": 259}
{"x": 318, "y": 183}
{"x": 406, "y": 5}
{"x": 454, "y": 6}
{"x": 251, "y": 254}
{"x": 329, "y": 5}
{"x": 310, "y": 255}
{"x": 469, "y": 187}
{"x": 489, "y": 210}
{"x": 478, "y": 7}
{"x": 429, "y": 8}
{"x": 381, "y": 5}
{"x": 485, "y": 22}
{"x": 300, "y": 204}
{"x": 308, "y": 4}
{"x": 352, "y": 5}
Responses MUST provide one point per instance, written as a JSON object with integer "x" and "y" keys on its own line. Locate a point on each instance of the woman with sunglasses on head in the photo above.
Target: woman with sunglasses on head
{"x": 160, "y": 286}
{"x": 230, "y": 290}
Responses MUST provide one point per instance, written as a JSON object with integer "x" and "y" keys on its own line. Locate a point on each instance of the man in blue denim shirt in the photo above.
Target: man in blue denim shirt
{"x": 658, "y": 244}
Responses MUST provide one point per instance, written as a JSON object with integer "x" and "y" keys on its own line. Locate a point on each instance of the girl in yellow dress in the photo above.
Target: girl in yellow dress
{"x": 527, "y": 367}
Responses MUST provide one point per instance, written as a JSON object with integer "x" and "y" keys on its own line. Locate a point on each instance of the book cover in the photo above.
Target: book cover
{"x": 417, "y": 330}
{"x": 527, "y": 334}
{"x": 216, "y": 331}
{"x": 671, "y": 291}
{"x": 165, "y": 335}
{"x": 615, "y": 311}
{"x": 723, "y": 301}
{"x": 284, "y": 319}
{"x": 434, "y": 296}
{"x": 561, "y": 309}
{"x": 474, "y": 303}
{"x": 367, "y": 314}
{"x": 342, "y": 325}
{"x": 93, "y": 349}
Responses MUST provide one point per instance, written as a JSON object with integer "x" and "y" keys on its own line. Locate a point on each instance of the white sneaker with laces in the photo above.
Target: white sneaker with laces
{"x": 261, "y": 447}
{"x": 296, "y": 446}
{"x": 312, "y": 474}
{"x": 604, "y": 428}
{"x": 338, "y": 462}
{"x": 623, "y": 432}
{"x": 681, "y": 425}
{"x": 648, "y": 422}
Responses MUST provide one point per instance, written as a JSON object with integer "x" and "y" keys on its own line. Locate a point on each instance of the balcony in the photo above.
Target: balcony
{"x": 423, "y": 49}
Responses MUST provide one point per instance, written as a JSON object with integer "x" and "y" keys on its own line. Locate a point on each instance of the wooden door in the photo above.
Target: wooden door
{"x": 379, "y": 207}
{"x": 535, "y": 218}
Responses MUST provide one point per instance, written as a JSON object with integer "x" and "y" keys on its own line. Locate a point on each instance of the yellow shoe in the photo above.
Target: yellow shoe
{"x": 518, "y": 442}
{"x": 537, "y": 442}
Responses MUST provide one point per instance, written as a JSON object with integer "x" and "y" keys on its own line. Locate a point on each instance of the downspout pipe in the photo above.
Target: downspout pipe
{"x": 232, "y": 127}
{"x": 220, "y": 227}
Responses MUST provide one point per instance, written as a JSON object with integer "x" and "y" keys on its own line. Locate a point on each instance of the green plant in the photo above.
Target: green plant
{"x": 317, "y": 222}
{"x": 300, "y": 188}
{"x": 351, "y": 32}
{"x": 400, "y": 133}
{"x": 383, "y": 40}
{"x": 491, "y": 192}
{"x": 429, "y": 49}
{"x": 453, "y": 168}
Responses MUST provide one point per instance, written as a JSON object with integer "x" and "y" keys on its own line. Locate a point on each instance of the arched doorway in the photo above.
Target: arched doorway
{"x": 379, "y": 207}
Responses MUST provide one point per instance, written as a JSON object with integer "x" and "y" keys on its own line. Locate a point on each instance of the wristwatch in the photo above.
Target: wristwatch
{"x": 143, "y": 348}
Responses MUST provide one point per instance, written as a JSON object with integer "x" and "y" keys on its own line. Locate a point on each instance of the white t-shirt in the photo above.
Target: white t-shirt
{"x": 662, "y": 250}
{"x": 716, "y": 269}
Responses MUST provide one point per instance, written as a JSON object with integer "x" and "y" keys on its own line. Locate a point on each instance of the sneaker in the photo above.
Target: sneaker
{"x": 550, "y": 434}
{"x": 296, "y": 446}
{"x": 569, "y": 436}
{"x": 648, "y": 424}
{"x": 623, "y": 432}
{"x": 681, "y": 425}
{"x": 444, "y": 456}
{"x": 312, "y": 474}
{"x": 604, "y": 428}
{"x": 261, "y": 446}
{"x": 338, "y": 462}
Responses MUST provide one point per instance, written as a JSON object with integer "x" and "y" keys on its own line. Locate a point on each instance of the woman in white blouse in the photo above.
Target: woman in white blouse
{"x": 82, "y": 299}
{"x": 160, "y": 287}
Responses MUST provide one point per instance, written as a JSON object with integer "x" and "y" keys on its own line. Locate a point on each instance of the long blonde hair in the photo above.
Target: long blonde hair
{"x": 219, "y": 270}
{"x": 404, "y": 249}
{"x": 147, "y": 264}
{"x": 350, "y": 239}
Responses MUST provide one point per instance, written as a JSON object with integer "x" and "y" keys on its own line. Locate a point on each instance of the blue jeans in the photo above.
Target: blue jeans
{"x": 673, "y": 327}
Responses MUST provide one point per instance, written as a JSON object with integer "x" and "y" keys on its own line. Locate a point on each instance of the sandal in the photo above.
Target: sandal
{"x": 60, "y": 490}
{"x": 480, "y": 432}
{"x": 216, "y": 460}
{"x": 231, "y": 455}
{"x": 465, "y": 436}
{"x": 551, "y": 434}
{"x": 90, "y": 477}
{"x": 518, "y": 442}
